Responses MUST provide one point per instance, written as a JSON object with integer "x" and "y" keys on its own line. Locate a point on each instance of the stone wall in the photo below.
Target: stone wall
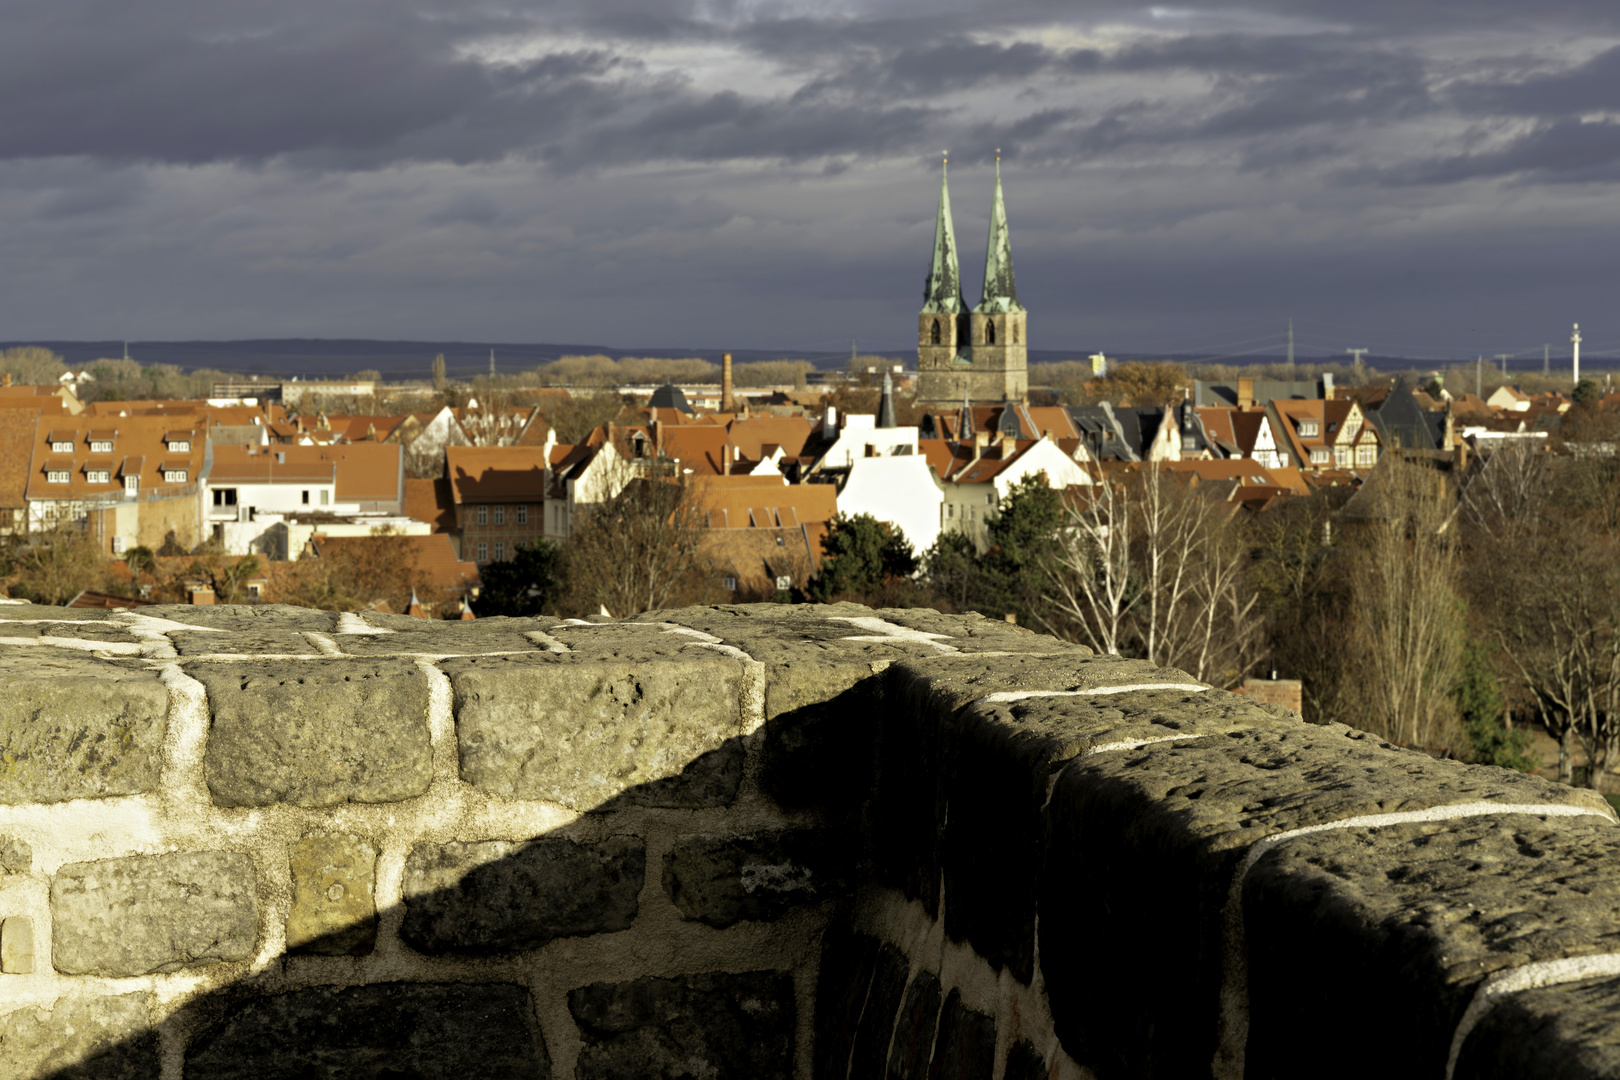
{"x": 764, "y": 841}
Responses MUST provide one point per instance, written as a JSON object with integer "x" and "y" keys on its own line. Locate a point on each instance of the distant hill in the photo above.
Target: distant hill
{"x": 309, "y": 358}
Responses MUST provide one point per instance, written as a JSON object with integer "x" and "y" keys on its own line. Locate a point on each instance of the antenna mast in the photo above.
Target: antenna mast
{"x": 1290, "y": 348}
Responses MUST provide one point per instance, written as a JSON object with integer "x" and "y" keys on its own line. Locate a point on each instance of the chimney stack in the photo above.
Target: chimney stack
{"x": 727, "y": 404}
{"x": 1245, "y": 393}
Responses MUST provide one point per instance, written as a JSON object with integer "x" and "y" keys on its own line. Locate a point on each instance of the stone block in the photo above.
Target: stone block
{"x": 1414, "y": 916}
{"x": 245, "y": 618}
{"x": 334, "y": 905}
{"x": 720, "y": 880}
{"x": 848, "y": 960}
{"x": 252, "y": 641}
{"x": 497, "y": 896}
{"x": 16, "y": 857}
{"x": 869, "y": 1060}
{"x": 1564, "y": 1031}
{"x": 17, "y": 945}
{"x": 580, "y": 730}
{"x": 1139, "y": 853}
{"x": 153, "y": 913}
{"x": 81, "y": 1038}
{"x": 385, "y": 1031}
{"x": 76, "y": 727}
{"x": 914, "y": 1034}
{"x": 316, "y": 733}
{"x": 438, "y": 637}
{"x": 719, "y": 1026}
{"x": 965, "y": 1048}
{"x": 710, "y": 779}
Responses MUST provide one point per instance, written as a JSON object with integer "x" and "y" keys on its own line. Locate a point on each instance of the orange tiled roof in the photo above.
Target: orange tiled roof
{"x": 496, "y": 473}
{"x": 363, "y": 472}
{"x": 733, "y": 502}
{"x": 139, "y": 451}
{"x": 431, "y": 501}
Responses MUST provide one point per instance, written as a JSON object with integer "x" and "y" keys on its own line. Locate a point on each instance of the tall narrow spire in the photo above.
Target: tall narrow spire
{"x": 942, "y": 292}
{"x": 1000, "y": 291}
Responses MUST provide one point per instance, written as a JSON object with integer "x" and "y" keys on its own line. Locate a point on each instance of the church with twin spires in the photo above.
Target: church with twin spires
{"x": 976, "y": 354}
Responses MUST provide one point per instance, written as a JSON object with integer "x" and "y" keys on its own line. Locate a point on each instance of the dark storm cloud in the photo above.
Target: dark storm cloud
{"x": 316, "y": 152}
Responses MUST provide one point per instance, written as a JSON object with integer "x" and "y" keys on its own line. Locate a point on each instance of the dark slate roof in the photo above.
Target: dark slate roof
{"x": 669, "y": 396}
{"x": 1402, "y": 423}
{"x": 1208, "y": 394}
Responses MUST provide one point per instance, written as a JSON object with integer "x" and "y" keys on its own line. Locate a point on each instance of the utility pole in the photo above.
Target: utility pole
{"x": 1356, "y": 364}
{"x": 1357, "y": 354}
{"x": 1290, "y": 349}
{"x": 1479, "y": 371}
{"x": 1503, "y": 357}
{"x": 1546, "y": 359}
{"x": 1575, "y": 348}
{"x": 492, "y": 363}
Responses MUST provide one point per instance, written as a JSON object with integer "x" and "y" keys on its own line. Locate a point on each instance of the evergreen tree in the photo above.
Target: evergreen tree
{"x": 528, "y": 582}
{"x": 859, "y": 554}
{"x": 1479, "y": 701}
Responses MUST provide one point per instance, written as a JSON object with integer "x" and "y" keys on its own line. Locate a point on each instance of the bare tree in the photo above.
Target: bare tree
{"x": 1408, "y": 616}
{"x": 1090, "y": 576}
{"x": 1509, "y": 489}
{"x": 638, "y": 550}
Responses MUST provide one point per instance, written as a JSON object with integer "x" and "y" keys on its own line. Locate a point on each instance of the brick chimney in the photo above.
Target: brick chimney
{"x": 1245, "y": 393}
{"x": 727, "y": 402}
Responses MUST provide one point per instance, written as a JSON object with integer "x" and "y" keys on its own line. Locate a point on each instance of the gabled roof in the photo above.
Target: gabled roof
{"x": 16, "y": 448}
{"x": 752, "y": 435}
{"x": 432, "y": 501}
{"x": 138, "y": 447}
{"x": 734, "y": 502}
{"x": 698, "y": 447}
{"x": 496, "y": 473}
{"x": 359, "y": 472}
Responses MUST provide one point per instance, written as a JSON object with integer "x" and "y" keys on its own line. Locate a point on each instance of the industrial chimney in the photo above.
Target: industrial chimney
{"x": 726, "y": 403}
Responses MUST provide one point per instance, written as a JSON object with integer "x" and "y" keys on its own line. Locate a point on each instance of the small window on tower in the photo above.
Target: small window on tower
{"x": 1015, "y": 333}
{"x": 990, "y": 332}
{"x": 934, "y": 335}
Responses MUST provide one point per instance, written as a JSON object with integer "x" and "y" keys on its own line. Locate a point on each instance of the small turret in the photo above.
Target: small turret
{"x": 885, "y": 416}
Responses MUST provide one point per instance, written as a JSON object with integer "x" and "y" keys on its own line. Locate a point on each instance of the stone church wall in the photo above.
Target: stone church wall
{"x": 762, "y": 841}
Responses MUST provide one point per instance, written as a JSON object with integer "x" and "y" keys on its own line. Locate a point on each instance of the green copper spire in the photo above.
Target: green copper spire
{"x": 1000, "y": 291}
{"x": 942, "y": 291}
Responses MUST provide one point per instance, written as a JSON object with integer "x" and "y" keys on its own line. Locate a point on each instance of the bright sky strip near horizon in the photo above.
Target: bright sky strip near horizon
{"x": 756, "y": 174}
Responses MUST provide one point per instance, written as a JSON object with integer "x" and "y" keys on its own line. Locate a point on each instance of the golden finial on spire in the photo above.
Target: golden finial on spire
{"x": 998, "y": 155}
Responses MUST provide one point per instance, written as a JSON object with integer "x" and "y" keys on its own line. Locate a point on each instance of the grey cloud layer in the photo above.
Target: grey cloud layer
{"x": 308, "y": 159}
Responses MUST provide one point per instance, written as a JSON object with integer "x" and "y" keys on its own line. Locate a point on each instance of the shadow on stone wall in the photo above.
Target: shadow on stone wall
{"x": 482, "y": 901}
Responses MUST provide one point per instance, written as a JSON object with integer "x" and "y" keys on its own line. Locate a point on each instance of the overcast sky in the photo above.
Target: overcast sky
{"x": 1433, "y": 177}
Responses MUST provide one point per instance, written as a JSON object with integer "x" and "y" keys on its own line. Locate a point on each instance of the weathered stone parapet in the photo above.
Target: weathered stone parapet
{"x": 761, "y": 841}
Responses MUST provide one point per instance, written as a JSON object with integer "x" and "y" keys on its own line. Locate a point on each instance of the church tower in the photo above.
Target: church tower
{"x": 980, "y": 355}
{"x": 942, "y": 327}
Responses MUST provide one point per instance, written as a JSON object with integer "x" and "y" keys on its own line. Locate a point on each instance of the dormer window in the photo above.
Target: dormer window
{"x": 101, "y": 446}
{"x": 56, "y": 476}
{"x": 98, "y": 476}
{"x": 61, "y": 446}
{"x": 180, "y": 446}
{"x": 1309, "y": 429}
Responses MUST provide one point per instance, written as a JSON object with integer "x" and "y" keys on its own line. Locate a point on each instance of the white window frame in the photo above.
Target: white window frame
{"x": 500, "y": 550}
{"x": 132, "y": 484}
{"x": 730, "y": 583}
{"x": 1309, "y": 429}
{"x": 1320, "y": 456}
{"x": 101, "y": 446}
{"x": 61, "y": 447}
{"x": 180, "y": 446}
{"x": 483, "y": 514}
{"x": 175, "y": 476}
{"x": 784, "y": 582}
{"x": 58, "y": 476}
{"x": 523, "y": 513}
{"x": 483, "y": 551}
{"x": 1366, "y": 455}
{"x": 500, "y": 514}
{"x": 98, "y": 476}
{"x": 117, "y": 545}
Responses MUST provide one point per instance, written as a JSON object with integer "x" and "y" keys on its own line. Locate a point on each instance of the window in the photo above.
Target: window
{"x": 132, "y": 484}
{"x": 56, "y": 476}
{"x": 950, "y": 510}
{"x": 255, "y": 590}
{"x": 730, "y": 584}
{"x": 1352, "y": 428}
{"x": 990, "y": 498}
{"x": 326, "y": 497}
{"x": 500, "y": 517}
{"x": 784, "y": 582}
{"x": 483, "y": 515}
{"x": 1320, "y": 456}
{"x": 306, "y": 496}
{"x": 523, "y": 514}
{"x": 174, "y": 476}
{"x": 1341, "y": 457}
{"x": 933, "y": 337}
{"x": 990, "y": 331}
{"x": 98, "y": 476}
{"x": 179, "y": 446}
{"x": 500, "y": 550}
{"x": 1015, "y": 333}
{"x": 101, "y": 446}
{"x": 1366, "y": 455}
{"x": 1309, "y": 429}
{"x": 118, "y": 545}
{"x": 222, "y": 496}
{"x": 483, "y": 551}
{"x": 61, "y": 446}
